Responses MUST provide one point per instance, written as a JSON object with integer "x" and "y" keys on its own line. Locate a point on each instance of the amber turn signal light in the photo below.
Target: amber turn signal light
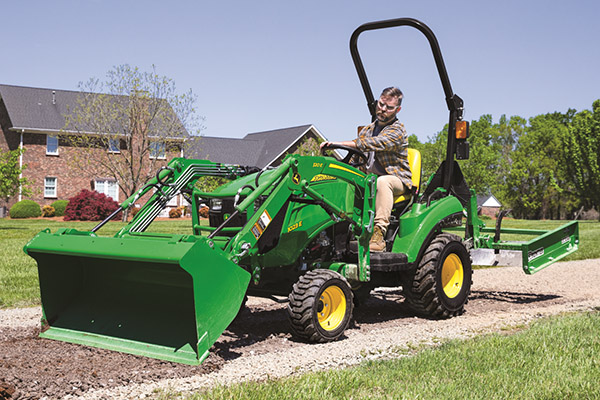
{"x": 462, "y": 129}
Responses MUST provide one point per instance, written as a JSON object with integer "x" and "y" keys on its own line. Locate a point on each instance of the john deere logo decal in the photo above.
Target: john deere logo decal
{"x": 296, "y": 178}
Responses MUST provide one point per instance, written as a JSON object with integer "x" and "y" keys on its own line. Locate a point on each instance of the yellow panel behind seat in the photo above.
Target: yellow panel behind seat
{"x": 414, "y": 162}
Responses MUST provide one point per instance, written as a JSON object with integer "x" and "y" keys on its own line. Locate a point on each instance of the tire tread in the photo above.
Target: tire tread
{"x": 302, "y": 298}
{"x": 421, "y": 289}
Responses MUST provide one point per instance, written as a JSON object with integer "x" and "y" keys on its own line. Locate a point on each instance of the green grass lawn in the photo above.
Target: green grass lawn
{"x": 556, "y": 358}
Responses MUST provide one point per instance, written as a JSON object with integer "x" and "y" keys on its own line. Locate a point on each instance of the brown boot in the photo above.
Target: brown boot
{"x": 377, "y": 242}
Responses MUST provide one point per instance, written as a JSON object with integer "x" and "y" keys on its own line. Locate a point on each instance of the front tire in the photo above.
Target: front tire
{"x": 441, "y": 284}
{"x": 320, "y": 307}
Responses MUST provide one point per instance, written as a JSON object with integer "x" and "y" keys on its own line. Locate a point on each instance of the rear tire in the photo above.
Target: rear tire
{"x": 320, "y": 307}
{"x": 441, "y": 284}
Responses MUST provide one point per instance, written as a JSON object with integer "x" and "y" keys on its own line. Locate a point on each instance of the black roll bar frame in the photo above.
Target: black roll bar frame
{"x": 453, "y": 101}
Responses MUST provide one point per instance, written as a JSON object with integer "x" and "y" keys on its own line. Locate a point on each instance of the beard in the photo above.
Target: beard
{"x": 381, "y": 117}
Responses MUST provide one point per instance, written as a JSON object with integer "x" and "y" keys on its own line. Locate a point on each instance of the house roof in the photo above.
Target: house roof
{"x": 44, "y": 110}
{"x": 225, "y": 150}
{"x": 258, "y": 149}
{"x": 34, "y": 109}
{"x": 488, "y": 201}
{"x": 278, "y": 141}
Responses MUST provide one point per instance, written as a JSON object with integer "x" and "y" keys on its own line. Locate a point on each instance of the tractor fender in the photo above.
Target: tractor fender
{"x": 418, "y": 227}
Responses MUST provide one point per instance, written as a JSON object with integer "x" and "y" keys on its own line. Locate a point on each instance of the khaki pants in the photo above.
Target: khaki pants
{"x": 388, "y": 188}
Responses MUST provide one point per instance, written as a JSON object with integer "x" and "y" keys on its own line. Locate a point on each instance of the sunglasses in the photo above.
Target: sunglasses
{"x": 386, "y": 107}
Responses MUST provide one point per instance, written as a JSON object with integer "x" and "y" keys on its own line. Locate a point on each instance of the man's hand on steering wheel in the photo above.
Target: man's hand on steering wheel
{"x": 352, "y": 151}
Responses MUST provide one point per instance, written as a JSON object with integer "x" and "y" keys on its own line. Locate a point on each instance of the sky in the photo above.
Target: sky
{"x": 262, "y": 65}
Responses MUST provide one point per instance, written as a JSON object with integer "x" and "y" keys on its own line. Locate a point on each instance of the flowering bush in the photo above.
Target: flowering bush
{"x": 48, "y": 211}
{"x": 90, "y": 206}
{"x": 175, "y": 213}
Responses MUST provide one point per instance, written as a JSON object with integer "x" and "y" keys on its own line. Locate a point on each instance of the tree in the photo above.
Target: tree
{"x": 481, "y": 168}
{"x": 537, "y": 184}
{"x": 309, "y": 146}
{"x": 433, "y": 152}
{"x": 491, "y": 147}
{"x": 10, "y": 175}
{"x": 125, "y": 126}
{"x": 210, "y": 183}
{"x": 582, "y": 149}
{"x": 508, "y": 134}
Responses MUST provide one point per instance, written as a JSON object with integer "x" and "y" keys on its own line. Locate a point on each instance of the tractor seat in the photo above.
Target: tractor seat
{"x": 414, "y": 162}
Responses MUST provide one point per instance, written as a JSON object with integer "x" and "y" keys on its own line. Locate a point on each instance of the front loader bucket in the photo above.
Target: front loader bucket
{"x": 162, "y": 296}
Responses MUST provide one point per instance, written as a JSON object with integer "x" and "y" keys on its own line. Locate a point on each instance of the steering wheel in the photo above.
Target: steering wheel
{"x": 362, "y": 158}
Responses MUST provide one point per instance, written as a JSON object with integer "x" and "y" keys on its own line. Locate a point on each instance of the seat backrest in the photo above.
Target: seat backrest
{"x": 414, "y": 162}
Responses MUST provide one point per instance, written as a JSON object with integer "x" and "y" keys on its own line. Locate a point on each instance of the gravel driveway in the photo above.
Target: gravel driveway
{"x": 258, "y": 345}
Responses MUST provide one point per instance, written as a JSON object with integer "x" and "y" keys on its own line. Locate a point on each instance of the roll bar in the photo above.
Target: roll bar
{"x": 453, "y": 101}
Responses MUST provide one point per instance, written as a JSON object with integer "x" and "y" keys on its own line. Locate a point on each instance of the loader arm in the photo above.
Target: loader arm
{"x": 297, "y": 179}
{"x": 179, "y": 175}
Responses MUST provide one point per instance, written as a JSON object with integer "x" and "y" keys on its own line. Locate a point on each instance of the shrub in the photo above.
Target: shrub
{"x": 203, "y": 212}
{"x": 25, "y": 209}
{"x": 175, "y": 213}
{"x": 59, "y": 207}
{"x": 90, "y": 206}
{"x": 48, "y": 211}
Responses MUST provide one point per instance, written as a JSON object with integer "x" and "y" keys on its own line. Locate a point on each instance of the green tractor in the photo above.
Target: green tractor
{"x": 298, "y": 232}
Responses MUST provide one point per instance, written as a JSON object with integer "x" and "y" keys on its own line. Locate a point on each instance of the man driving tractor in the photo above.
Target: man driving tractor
{"x": 385, "y": 142}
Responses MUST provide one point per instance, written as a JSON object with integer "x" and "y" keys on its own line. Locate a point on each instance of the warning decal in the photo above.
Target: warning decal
{"x": 260, "y": 225}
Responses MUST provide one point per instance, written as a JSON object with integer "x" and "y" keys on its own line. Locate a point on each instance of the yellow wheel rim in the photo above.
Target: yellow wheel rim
{"x": 331, "y": 308}
{"x": 452, "y": 275}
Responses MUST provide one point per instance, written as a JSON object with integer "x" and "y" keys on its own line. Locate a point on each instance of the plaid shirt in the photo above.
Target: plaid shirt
{"x": 389, "y": 147}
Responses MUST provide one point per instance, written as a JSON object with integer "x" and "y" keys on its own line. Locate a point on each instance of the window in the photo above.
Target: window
{"x": 114, "y": 146}
{"x": 108, "y": 187}
{"x": 50, "y": 187}
{"x": 51, "y": 145}
{"x": 157, "y": 150}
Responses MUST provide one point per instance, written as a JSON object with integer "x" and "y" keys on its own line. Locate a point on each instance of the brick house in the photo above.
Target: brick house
{"x": 488, "y": 205}
{"x": 32, "y": 119}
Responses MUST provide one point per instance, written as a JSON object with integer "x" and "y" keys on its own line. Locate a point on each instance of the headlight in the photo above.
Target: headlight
{"x": 216, "y": 204}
